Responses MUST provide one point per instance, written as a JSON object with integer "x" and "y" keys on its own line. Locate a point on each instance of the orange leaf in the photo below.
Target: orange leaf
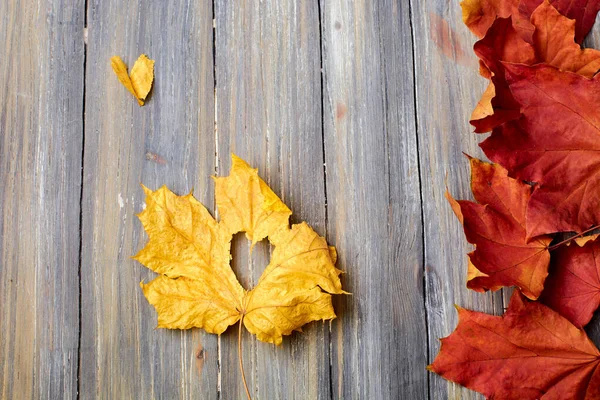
{"x": 502, "y": 255}
{"x": 479, "y": 15}
{"x": 531, "y": 352}
{"x": 582, "y": 11}
{"x": 554, "y": 43}
{"x": 484, "y": 107}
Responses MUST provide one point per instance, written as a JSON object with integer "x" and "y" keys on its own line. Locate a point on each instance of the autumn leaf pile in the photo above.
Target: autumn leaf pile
{"x": 139, "y": 81}
{"x": 542, "y": 107}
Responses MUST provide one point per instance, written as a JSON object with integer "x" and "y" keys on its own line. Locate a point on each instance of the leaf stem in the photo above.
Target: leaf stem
{"x": 573, "y": 237}
{"x": 241, "y": 358}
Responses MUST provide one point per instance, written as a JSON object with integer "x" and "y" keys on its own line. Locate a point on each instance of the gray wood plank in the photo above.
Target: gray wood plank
{"x": 41, "y": 125}
{"x": 448, "y": 87}
{"x": 168, "y": 141}
{"x": 379, "y": 345}
{"x": 269, "y": 113}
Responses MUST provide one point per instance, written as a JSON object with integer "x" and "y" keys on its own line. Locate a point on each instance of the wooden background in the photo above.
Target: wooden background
{"x": 355, "y": 112}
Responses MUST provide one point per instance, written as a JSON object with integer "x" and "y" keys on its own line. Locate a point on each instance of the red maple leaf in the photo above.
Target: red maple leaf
{"x": 552, "y": 42}
{"x": 479, "y": 15}
{"x": 573, "y": 286}
{"x": 531, "y": 352}
{"x": 501, "y": 43}
{"x": 496, "y": 226}
{"x": 582, "y": 11}
{"x": 555, "y": 143}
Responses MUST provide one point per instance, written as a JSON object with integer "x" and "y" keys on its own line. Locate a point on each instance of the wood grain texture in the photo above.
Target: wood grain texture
{"x": 41, "y": 103}
{"x": 374, "y": 205}
{"x": 448, "y": 87}
{"x": 169, "y": 141}
{"x": 269, "y": 113}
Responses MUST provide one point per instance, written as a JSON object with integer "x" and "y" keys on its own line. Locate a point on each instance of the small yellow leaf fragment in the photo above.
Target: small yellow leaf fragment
{"x": 581, "y": 241}
{"x": 142, "y": 76}
{"x": 333, "y": 254}
{"x": 139, "y": 81}
{"x": 121, "y": 70}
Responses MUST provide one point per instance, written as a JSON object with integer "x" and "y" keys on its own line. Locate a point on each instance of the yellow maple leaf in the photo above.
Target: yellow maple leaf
{"x": 191, "y": 252}
{"x": 139, "y": 81}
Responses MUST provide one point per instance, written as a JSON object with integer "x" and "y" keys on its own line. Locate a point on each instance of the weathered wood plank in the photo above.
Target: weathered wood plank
{"x": 269, "y": 113}
{"x": 41, "y": 124}
{"x": 448, "y": 87}
{"x": 379, "y": 349}
{"x": 168, "y": 141}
